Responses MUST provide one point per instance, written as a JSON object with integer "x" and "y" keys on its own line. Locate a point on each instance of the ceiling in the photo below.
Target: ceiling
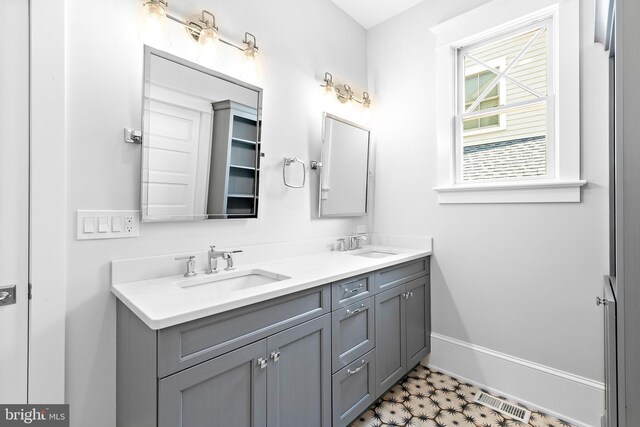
{"x": 370, "y": 13}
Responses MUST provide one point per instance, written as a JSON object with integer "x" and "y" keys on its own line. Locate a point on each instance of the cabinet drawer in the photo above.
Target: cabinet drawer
{"x": 398, "y": 274}
{"x": 354, "y": 389}
{"x": 350, "y": 290}
{"x": 353, "y": 333}
{"x": 190, "y": 343}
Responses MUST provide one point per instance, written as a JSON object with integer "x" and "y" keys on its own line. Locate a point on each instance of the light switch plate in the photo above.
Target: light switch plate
{"x": 130, "y": 220}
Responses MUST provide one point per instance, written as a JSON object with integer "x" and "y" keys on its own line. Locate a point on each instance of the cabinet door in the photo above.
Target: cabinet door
{"x": 299, "y": 375}
{"x": 418, "y": 320}
{"x": 226, "y": 391}
{"x": 390, "y": 337}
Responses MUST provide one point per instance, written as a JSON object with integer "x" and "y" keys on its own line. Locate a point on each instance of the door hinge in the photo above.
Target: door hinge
{"x": 30, "y": 287}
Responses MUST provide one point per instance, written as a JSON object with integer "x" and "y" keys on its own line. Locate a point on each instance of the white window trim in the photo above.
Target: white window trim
{"x": 489, "y": 20}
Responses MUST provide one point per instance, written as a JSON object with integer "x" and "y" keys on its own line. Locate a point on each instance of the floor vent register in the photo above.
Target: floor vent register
{"x": 504, "y": 407}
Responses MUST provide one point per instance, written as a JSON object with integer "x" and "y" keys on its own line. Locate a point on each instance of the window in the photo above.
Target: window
{"x": 521, "y": 148}
{"x": 509, "y": 137}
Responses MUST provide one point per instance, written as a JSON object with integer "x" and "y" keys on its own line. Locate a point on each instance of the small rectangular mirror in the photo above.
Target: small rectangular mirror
{"x": 200, "y": 143}
{"x": 344, "y": 176}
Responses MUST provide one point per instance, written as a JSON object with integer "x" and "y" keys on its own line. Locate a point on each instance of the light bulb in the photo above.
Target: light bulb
{"x": 154, "y": 15}
{"x": 329, "y": 96}
{"x": 156, "y": 11}
{"x": 208, "y": 37}
{"x": 251, "y": 64}
{"x": 249, "y": 72}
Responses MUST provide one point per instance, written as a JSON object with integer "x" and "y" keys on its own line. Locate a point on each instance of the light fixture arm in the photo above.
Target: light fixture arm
{"x": 209, "y": 19}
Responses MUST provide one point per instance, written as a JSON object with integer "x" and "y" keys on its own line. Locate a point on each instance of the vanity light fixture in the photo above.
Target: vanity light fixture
{"x": 201, "y": 27}
{"x": 343, "y": 92}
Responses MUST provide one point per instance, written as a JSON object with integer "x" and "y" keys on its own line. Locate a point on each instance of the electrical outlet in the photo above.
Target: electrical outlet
{"x": 128, "y": 224}
{"x": 89, "y": 224}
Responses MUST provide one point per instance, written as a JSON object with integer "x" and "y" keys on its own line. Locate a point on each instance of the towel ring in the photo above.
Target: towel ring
{"x": 288, "y": 161}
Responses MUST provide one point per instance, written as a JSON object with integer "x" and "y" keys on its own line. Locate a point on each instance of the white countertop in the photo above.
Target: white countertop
{"x": 159, "y": 303}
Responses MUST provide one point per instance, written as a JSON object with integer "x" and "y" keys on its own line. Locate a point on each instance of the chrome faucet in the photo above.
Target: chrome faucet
{"x": 354, "y": 241}
{"x": 213, "y": 256}
{"x": 191, "y": 265}
{"x": 228, "y": 256}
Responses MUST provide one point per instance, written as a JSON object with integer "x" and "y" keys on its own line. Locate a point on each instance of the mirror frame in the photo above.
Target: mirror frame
{"x": 326, "y": 116}
{"x": 148, "y": 51}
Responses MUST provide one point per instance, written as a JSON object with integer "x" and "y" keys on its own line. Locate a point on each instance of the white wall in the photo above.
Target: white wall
{"x": 298, "y": 42}
{"x": 515, "y": 279}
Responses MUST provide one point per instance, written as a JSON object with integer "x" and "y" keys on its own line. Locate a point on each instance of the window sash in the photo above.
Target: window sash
{"x": 462, "y": 114}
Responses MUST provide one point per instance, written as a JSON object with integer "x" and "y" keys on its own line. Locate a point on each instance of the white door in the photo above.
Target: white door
{"x": 172, "y": 169}
{"x": 14, "y": 198}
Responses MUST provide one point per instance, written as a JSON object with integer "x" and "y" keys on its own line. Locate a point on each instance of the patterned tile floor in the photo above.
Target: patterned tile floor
{"x": 428, "y": 398}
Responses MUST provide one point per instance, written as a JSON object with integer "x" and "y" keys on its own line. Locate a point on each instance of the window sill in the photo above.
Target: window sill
{"x": 511, "y": 192}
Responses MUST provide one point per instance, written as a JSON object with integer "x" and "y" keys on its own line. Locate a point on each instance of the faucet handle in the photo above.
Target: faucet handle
{"x": 237, "y": 251}
{"x": 191, "y": 265}
{"x": 211, "y": 248}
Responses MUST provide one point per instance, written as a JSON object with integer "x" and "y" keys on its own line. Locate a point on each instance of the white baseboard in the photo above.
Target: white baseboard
{"x": 570, "y": 397}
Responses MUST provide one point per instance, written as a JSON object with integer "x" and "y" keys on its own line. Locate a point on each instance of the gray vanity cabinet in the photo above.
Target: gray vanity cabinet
{"x": 228, "y": 390}
{"x": 286, "y": 362}
{"x": 403, "y": 328}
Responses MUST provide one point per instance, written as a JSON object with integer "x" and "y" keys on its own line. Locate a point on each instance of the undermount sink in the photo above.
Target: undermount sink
{"x": 374, "y": 253}
{"x": 232, "y": 281}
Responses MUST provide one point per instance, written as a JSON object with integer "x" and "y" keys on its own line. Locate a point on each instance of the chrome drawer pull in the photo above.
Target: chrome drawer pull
{"x": 275, "y": 355}
{"x": 4, "y": 295}
{"x": 354, "y": 290}
{"x": 357, "y": 310}
{"x": 262, "y": 363}
{"x": 349, "y": 371}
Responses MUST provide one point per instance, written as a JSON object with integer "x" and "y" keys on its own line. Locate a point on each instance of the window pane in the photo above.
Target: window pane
{"x": 530, "y": 70}
{"x": 518, "y": 150}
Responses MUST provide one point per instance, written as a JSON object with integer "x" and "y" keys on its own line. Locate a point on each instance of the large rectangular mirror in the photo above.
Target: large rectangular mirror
{"x": 344, "y": 176}
{"x": 200, "y": 144}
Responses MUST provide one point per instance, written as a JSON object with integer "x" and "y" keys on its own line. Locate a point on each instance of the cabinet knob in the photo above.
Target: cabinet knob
{"x": 601, "y": 301}
{"x": 275, "y": 355}
{"x": 262, "y": 363}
